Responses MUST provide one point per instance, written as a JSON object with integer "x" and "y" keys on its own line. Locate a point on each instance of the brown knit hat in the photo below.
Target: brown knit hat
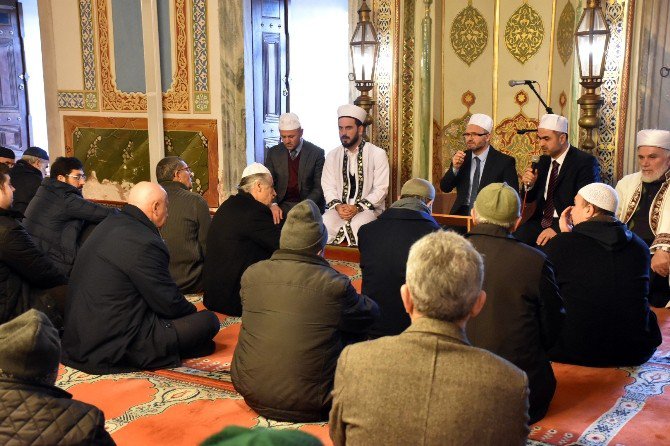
{"x": 304, "y": 229}
{"x": 29, "y": 348}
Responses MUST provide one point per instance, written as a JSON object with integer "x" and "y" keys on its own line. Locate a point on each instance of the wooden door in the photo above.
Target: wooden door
{"x": 13, "y": 97}
{"x": 270, "y": 66}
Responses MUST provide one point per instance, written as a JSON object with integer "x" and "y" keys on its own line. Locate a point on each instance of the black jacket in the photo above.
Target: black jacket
{"x": 56, "y": 217}
{"x": 309, "y": 172}
{"x": 26, "y": 179}
{"x": 297, "y": 313}
{"x": 384, "y": 246}
{"x": 242, "y": 233}
{"x": 523, "y": 314}
{"x": 499, "y": 168}
{"x": 602, "y": 270}
{"x": 22, "y": 267}
{"x": 579, "y": 169}
{"x": 121, "y": 299}
{"x": 39, "y": 414}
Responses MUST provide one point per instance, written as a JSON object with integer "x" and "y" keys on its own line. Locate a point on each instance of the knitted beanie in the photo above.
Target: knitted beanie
{"x": 304, "y": 229}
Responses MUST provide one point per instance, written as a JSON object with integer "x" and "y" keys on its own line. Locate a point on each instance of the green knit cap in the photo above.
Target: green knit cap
{"x": 304, "y": 229}
{"x": 418, "y": 187}
{"x": 242, "y": 436}
{"x": 498, "y": 203}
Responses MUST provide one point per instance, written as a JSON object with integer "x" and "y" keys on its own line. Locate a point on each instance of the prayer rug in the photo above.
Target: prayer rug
{"x": 610, "y": 406}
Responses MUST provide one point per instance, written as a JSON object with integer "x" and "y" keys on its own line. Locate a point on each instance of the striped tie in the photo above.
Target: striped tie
{"x": 548, "y": 210}
{"x": 474, "y": 187}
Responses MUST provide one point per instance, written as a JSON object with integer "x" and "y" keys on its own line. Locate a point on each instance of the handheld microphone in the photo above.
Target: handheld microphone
{"x": 514, "y": 83}
{"x": 534, "y": 161}
{"x": 524, "y": 131}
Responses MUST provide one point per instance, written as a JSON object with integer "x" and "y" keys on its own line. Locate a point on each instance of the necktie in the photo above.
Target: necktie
{"x": 474, "y": 187}
{"x": 548, "y": 210}
{"x": 293, "y": 154}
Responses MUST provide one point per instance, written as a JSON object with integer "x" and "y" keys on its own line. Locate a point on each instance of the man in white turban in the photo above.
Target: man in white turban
{"x": 355, "y": 179}
{"x": 645, "y": 206}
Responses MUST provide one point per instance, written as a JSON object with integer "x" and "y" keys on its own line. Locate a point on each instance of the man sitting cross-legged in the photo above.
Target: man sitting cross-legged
{"x": 298, "y": 313}
{"x": 524, "y": 312}
{"x": 427, "y": 385}
{"x": 124, "y": 311}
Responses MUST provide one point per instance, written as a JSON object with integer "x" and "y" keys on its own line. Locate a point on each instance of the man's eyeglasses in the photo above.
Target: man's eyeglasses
{"x": 468, "y": 135}
{"x": 185, "y": 168}
{"x": 80, "y": 177}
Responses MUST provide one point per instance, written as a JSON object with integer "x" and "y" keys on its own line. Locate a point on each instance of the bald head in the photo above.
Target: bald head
{"x": 151, "y": 199}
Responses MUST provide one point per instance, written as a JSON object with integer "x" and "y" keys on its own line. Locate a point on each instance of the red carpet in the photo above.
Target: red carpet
{"x": 183, "y": 406}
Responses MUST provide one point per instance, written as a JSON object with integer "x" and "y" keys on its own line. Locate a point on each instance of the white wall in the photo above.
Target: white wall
{"x": 33, "y": 56}
{"x": 319, "y": 66}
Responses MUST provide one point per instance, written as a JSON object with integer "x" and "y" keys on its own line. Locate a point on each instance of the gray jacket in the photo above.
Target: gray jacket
{"x": 185, "y": 234}
{"x": 298, "y": 313}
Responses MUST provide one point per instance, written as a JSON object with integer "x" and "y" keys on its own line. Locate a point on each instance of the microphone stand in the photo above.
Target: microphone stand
{"x": 546, "y": 107}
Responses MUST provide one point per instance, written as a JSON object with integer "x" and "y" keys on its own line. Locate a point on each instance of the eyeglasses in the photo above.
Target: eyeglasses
{"x": 468, "y": 135}
{"x": 185, "y": 168}
{"x": 80, "y": 177}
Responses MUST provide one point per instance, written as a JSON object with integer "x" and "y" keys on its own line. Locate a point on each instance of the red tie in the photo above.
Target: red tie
{"x": 548, "y": 210}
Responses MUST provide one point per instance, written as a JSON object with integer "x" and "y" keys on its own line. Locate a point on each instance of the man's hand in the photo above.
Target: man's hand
{"x": 529, "y": 177}
{"x": 346, "y": 211}
{"x": 458, "y": 159}
{"x": 545, "y": 236}
{"x": 565, "y": 222}
{"x": 277, "y": 213}
{"x": 660, "y": 263}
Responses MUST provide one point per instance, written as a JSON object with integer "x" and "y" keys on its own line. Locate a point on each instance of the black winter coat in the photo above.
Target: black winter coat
{"x": 121, "y": 299}
{"x": 56, "y": 217}
{"x": 22, "y": 267}
{"x": 602, "y": 270}
{"x": 242, "y": 233}
{"x": 523, "y": 314}
{"x": 37, "y": 414}
{"x": 26, "y": 179}
{"x": 384, "y": 245}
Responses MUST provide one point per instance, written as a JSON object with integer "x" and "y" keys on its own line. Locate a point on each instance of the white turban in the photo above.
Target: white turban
{"x": 557, "y": 123}
{"x": 352, "y": 111}
{"x": 654, "y": 138}
{"x": 481, "y": 120}
{"x": 601, "y": 195}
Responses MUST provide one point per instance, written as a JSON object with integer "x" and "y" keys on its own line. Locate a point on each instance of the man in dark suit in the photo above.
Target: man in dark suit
{"x": 27, "y": 175}
{"x": 481, "y": 165}
{"x": 241, "y": 234}
{"x": 428, "y": 385}
{"x": 523, "y": 317}
{"x": 553, "y": 184}
{"x": 295, "y": 166}
{"x": 383, "y": 263}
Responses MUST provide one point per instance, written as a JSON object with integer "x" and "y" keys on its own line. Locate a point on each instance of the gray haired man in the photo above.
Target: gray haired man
{"x": 474, "y": 396}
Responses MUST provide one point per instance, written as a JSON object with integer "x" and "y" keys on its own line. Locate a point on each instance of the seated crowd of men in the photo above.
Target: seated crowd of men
{"x": 434, "y": 305}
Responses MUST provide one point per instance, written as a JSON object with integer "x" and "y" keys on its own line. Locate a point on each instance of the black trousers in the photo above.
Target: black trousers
{"x": 195, "y": 333}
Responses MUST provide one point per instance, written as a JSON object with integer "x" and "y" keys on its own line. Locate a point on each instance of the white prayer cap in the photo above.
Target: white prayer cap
{"x": 481, "y": 120}
{"x": 557, "y": 123}
{"x": 601, "y": 195}
{"x": 352, "y": 111}
{"x": 654, "y": 138}
{"x": 254, "y": 168}
{"x": 289, "y": 121}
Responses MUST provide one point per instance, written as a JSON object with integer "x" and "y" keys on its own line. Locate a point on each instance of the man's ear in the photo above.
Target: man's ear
{"x": 407, "y": 301}
{"x": 479, "y": 304}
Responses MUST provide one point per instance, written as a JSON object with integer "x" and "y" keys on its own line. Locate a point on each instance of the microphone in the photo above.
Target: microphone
{"x": 534, "y": 161}
{"x": 524, "y": 131}
{"x": 514, "y": 83}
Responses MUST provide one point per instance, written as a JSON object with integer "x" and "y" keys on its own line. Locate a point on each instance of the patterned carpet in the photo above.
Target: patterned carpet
{"x": 185, "y": 405}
